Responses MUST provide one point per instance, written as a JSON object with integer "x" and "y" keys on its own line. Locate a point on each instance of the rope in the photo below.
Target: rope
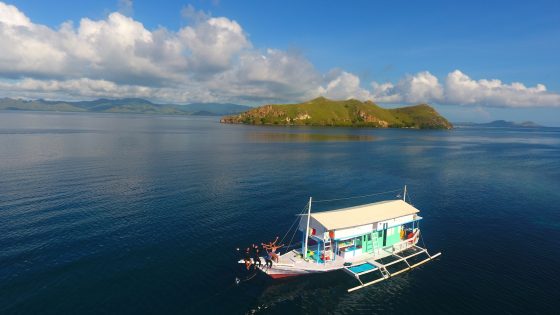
{"x": 288, "y": 231}
{"x": 238, "y": 281}
{"x": 410, "y": 198}
{"x": 362, "y": 196}
{"x": 293, "y": 235}
{"x": 293, "y": 223}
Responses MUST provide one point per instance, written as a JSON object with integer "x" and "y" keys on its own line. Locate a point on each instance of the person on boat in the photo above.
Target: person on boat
{"x": 268, "y": 259}
{"x": 247, "y": 258}
{"x": 256, "y": 256}
{"x": 272, "y": 248}
{"x": 273, "y": 253}
{"x": 269, "y": 245}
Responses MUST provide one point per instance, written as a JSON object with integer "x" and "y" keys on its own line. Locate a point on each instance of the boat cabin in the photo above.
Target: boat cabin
{"x": 351, "y": 232}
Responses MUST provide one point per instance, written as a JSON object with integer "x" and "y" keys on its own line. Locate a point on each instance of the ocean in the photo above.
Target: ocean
{"x": 134, "y": 214}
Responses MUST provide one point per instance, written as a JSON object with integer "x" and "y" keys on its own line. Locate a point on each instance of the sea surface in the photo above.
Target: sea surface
{"x": 133, "y": 214}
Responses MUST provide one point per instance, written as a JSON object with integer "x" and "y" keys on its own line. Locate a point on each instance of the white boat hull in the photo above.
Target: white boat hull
{"x": 279, "y": 273}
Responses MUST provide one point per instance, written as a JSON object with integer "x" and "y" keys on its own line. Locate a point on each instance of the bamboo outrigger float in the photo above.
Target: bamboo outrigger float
{"x": 360, "y": 240}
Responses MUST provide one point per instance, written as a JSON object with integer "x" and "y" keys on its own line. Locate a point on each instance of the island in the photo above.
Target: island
{"x": 347, "y": 113}
{"x": 501, "y": 124}
{"x": 123, "y": 105}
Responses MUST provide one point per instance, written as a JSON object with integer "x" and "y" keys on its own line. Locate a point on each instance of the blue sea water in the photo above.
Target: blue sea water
{"x": 132, "y": 214}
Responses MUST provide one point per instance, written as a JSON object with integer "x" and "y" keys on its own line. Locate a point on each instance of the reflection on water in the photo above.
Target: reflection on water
{"x": 307, "y": 137}
{"x": 144, "y": 213}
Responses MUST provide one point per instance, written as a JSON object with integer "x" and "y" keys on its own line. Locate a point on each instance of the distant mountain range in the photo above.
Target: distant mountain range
{"x": 125, "y": 105}
{"x": 350, "y": 113}
{"x": 500, "y": 124}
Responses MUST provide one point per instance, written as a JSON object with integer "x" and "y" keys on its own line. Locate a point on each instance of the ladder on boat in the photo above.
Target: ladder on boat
{"x": 382, "y": 268}
{"x": 384, "y": 272}
{"x": 327, "y": 250}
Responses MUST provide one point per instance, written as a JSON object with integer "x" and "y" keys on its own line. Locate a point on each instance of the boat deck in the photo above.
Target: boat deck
{"x": 294, "y": 259}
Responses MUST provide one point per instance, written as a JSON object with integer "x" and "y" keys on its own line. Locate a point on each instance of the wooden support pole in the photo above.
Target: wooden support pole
{"x": 365, "y": 285}
{"x": 394, "y": 274}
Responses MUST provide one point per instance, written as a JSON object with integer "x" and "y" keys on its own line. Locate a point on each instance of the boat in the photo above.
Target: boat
{"x": 369, "y": 239}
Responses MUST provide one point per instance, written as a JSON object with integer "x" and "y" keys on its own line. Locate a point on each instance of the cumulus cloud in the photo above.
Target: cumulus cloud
{"x": 270, "y": 75}
{"x": 119, "y": 49}
{"x": 10, "y": 15}
{"x": 460, "y": 89}
{"x": 209, "y": 60}
{"x": 213, "y": 43}
{"x": 418, "y": 88}
{"x": 78, "y": 89}
{"x": 344, "y": 85}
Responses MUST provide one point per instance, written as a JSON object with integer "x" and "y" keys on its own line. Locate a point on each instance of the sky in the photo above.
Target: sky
{"x": 472, "y": 60}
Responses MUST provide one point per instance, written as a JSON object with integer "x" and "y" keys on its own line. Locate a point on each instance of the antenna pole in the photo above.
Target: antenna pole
{"x": 404, "y": 194}
{"x": 307, "y": 229}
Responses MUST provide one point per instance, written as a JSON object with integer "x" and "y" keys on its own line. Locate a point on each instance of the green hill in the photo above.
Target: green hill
{"x": 350, "y": 113}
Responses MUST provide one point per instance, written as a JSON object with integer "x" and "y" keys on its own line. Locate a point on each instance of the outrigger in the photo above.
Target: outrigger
{"x": 359, "y": 240}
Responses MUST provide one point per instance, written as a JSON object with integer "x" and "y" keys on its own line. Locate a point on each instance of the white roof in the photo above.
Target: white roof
{"x": 364, "y": 214}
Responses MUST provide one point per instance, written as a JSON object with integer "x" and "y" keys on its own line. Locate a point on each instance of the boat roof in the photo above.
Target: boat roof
{"x": 363, "y": 214}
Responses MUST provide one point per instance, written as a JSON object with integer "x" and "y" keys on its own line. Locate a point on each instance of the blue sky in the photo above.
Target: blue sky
{"x": 474, "y": 60}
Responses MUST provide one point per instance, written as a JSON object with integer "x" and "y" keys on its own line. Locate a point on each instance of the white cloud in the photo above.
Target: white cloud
{"x": 268, "y": 76}
{"x": 77, "y": 89}
{"x": 344, "y": 85}
{"x": 213, "y": 43}
{"x": 385, "y": 92}
{"x": 119, "y": 49}
{"x": 10, "y": 15}
{"x": 461, "y": 89}
{"x": 210, "y": 59}
{"x": 419, "y": 88}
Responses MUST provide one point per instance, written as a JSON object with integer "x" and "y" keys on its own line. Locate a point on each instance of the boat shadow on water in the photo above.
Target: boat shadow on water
{"x": 290, "y": 294}
{"x": 322, "y": 293}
